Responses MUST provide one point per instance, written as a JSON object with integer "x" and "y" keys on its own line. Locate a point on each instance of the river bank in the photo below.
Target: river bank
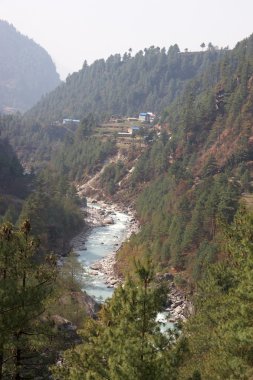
{"x": 110, "y": 225}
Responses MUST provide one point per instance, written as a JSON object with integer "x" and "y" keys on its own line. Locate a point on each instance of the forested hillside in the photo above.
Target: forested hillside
{"x": 126, "y": 85}
{"x": 11, "y": 172}
{"x": 198, "y": 177}
{"x": 215, "y": 343}
{"x": 13, "y": 183}
{"x": 26, "y": 70}
{"x": 32, "y": 143}
{"x": 189, "y": 178}
{"x": 47, "y": 198}
{"x": 191, "y": 175}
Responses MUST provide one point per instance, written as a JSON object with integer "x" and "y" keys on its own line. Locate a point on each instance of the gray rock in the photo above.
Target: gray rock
{"x": 178, "y": 309}
{"x": 108, "y": 221}
{"x": 179, "y": 303}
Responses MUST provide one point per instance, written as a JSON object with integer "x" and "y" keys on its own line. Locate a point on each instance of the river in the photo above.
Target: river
{"x": 99, "y": 243}
{"x": 94, "y": 248}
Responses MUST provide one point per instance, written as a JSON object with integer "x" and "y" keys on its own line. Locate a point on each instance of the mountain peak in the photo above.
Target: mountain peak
{"x": 26, "y": 70}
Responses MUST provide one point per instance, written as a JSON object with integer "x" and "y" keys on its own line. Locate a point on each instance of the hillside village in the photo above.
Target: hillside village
{"x": 142, "y": 127}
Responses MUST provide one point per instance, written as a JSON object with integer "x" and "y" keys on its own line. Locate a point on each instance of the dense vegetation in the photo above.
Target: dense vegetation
{"x": 215, "y": 343}
{"x": 126, "y": 85}
{"x": 111, "y": 176}
{"x": 27, "y": 71}
{"x": 219, "y": 334}
{"x": 11, "y": 172}
{"x": 82, "y": 153}
{"x": 54, "y": 211}
{"x": 126, "y": 341}
{"x": 25, "y": 286}
{"x": 47, "y": 199}
{"x": 13, "y": 183}
{"x": 198, "y": 168}
{"x": 193, "y": 177}
{"x": 36, "y": 297}
{"x": 72, "y": 151}
{"x": 33, "y": 143}
{"x": 180, "y": 224}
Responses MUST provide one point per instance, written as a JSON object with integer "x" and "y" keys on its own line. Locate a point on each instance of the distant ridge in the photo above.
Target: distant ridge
{"x": 26, "y": 70}
{"x": 124, "y": 85}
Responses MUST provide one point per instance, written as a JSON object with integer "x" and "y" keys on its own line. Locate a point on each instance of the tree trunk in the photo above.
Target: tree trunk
{"x": 1, "y": 363}
{"x": 17, "y": 359}
{"x": 18, "y": 363}
{"x": 144, "y": 319}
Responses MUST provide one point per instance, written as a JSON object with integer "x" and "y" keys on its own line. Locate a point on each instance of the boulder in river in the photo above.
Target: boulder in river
{"x": 177, "y": 310}
{"x": 108, "y": 221}
{"x": 96, "y": 266}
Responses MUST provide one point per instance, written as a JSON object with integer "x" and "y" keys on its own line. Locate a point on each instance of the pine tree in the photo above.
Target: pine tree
{"x": 220, "y": 332}
{"x": 25, "y": 284}
{"x": 126, "y": 341}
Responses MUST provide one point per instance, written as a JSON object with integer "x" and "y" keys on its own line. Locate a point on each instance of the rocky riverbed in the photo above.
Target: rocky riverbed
{"x": 180, "y": 308}
{"x": 104, "y": 218}
{"x": 106, "y": 265}
{"x": 109, "y": 227}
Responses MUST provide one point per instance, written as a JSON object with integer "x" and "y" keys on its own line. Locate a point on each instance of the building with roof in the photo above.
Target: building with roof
{"x": 70, "y": 121}
{"x": 144, "y": 117}
{"x": 134, "y": 130}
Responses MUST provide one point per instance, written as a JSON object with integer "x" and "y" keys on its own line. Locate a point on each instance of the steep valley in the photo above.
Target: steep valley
{"x": 186, "y": 176}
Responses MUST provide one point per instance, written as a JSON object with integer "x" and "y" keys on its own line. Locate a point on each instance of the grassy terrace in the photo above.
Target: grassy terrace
{"x": 247, "y": 200}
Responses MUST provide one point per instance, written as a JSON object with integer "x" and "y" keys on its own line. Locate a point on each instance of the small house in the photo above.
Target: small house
{"x": 124, "y": 134}
{"x": 144, "y": 117}
{"x": 70, "y": 121}
{"x": 132, "y": 119}
{"x": 151, "y": 116}
{"x": 134, "y": 130}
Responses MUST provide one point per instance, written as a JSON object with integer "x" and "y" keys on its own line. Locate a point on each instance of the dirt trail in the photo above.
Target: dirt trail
{"x": 92, "y": 187}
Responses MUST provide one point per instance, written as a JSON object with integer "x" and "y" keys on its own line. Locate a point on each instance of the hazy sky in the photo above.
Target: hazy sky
{"x": 75, "y": 30}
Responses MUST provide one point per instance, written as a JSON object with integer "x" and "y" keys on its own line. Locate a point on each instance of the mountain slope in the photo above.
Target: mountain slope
{"x": 26, "y": 70}
{"x": 13, "y": 183}
{"x": 189, "y": 180}
{"x": 195, "y": 181}
{"x": 191, "y": 176}
{"x": 126, "y": 85}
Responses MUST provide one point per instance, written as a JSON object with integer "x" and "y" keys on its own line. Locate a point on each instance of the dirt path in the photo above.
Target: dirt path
{"x": 91, "y": 187}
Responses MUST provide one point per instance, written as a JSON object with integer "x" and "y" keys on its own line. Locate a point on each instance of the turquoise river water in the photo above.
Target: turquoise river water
{"x": 98, "y": 243}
